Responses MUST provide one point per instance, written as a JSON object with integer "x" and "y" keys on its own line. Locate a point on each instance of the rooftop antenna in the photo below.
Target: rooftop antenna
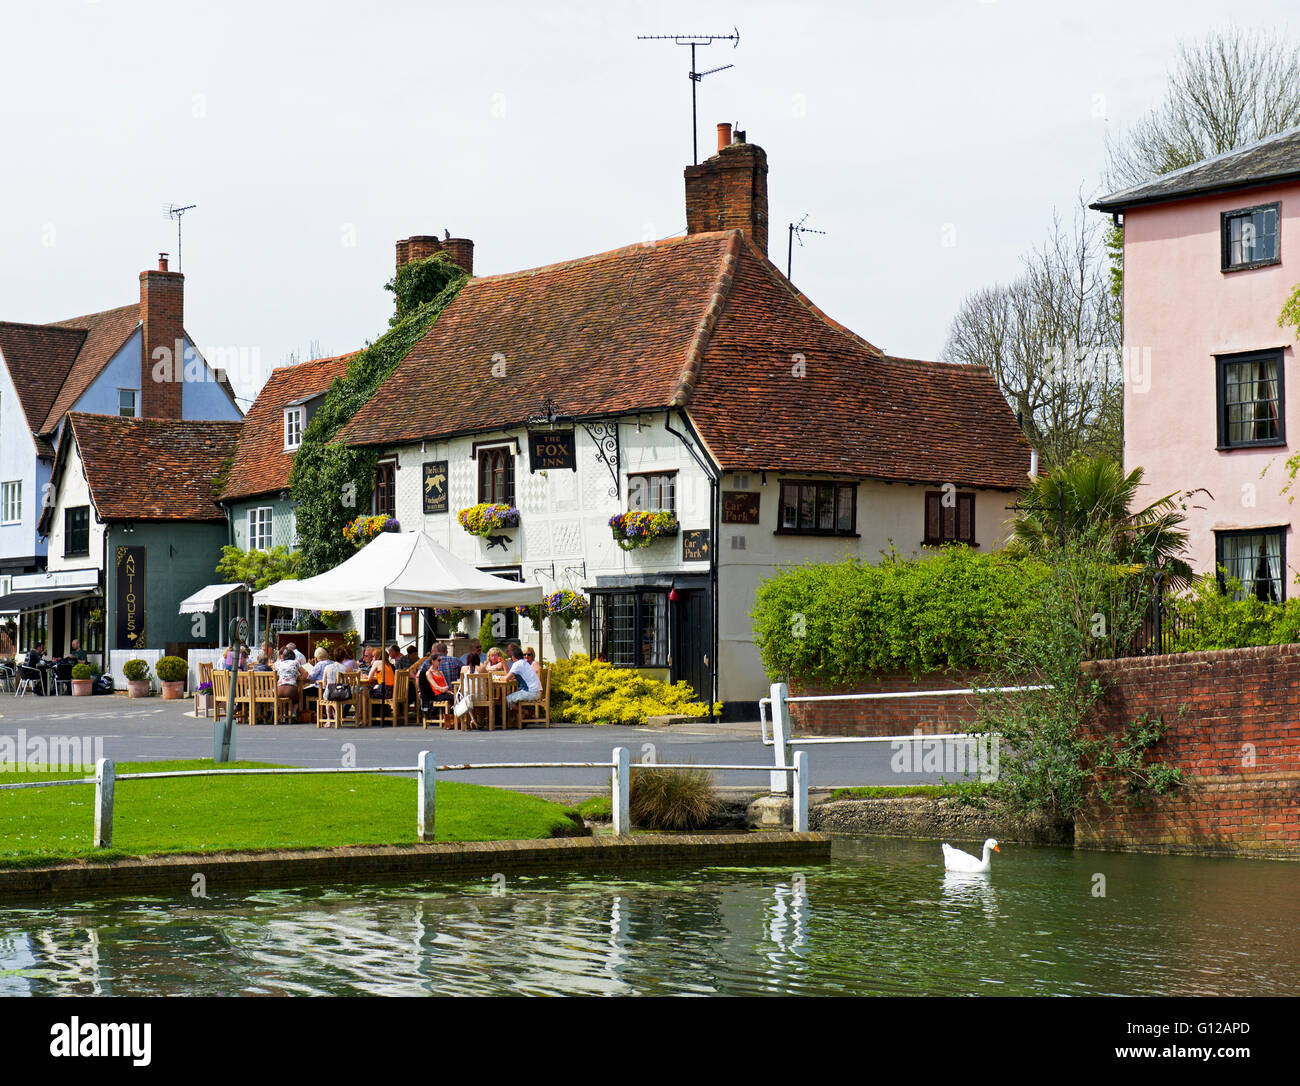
{"x": 797, "y": 230}
{"x": 174, "y": 212}
{"x": 693, "y": 40}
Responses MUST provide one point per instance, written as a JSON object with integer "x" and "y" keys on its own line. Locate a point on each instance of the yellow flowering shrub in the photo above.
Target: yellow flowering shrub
{"x": 587, "y": 691}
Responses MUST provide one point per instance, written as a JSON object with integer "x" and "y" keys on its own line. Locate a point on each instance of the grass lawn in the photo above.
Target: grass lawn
{"x": 209, "y": 814}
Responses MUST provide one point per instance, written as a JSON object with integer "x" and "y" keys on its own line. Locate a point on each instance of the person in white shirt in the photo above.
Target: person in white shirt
{"x": 287, "y": 672}
{"x": 530, "y": 686}
{"x": 296, "y": 654}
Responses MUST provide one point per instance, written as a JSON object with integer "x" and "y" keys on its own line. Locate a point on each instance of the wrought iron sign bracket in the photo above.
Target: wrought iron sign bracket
{"x": 604, "y": 436}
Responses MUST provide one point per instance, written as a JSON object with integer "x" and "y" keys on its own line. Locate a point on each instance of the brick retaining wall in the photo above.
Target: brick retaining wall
{"x": 1241, "y": 704}
{"x": 892, "y": 716}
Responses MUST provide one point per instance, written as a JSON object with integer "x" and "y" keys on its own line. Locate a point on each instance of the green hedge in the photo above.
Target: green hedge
{"x": 833, "y": 623}
{"x": 1210, "y": 619}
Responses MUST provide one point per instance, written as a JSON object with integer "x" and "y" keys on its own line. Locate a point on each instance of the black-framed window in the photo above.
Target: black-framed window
{"x": 496, "y": 475}
{"x": 510, "y": 624}
{"x": 380, "y": 629}
{"x": 653, "y": 493}
{"x": 76, "y": 531}
{"x": 816, "y": 508}
{"x": 1255, "y": 557}
{"x": 1251, "y": 399}
{"x": 384, "y": 501}
{"x": 630, "y": 629}
{"x": 949, "y": 518}
{"x": 1251, "y": 237}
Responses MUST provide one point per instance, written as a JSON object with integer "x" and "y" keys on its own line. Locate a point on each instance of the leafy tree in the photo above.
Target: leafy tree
{"x": 1091, "y": 496}
{"x": 1228, "y": 90}
{"x": 258, "y": 568}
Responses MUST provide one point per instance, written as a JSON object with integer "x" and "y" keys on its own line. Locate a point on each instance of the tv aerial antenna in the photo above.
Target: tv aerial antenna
{"x": 174, "y": 212}
{"x": 797, "y": 230}
{"x": 693, "y": 40}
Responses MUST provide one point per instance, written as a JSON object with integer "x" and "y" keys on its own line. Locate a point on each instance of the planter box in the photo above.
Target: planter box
{"x": 83, "y": 688}
{"x": 203, "y": 702}
{"x": 173, "y": 691}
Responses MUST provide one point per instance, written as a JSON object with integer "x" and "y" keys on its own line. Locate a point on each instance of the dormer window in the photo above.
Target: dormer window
{"x": 292, "y": 428}
{"x": 1250, "y": 237}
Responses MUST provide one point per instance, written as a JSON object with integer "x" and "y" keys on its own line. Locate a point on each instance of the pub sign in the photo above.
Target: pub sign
{"x": 130, "y": 597}
{"x": 435, "y": 487}
{"x": 551, "y": 449}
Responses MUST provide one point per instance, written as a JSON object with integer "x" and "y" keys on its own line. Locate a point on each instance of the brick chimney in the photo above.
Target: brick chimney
{"x": 162, "y": 364}
{"x": 460, "y": 250}
{"x": 729, "y": 190}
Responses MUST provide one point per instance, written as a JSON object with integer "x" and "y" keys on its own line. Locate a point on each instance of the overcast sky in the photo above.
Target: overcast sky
{"x": 313, "y": 135}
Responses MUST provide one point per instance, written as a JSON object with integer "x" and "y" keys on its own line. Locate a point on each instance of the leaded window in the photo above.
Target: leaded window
{"x": 652, "y": 493}
{"x": 1250, "y": 399}
{"x": 1250, "y": 237}
{"x": 1254, "y": 558}
{"x": 630, "y": 629}
{"x": 814, "y": 508}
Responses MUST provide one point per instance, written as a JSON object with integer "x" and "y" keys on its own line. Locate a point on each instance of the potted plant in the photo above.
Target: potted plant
{"x": 83, "y": 680}
{"x": 566, "y": 605}
{"x": 487, "y": 517}
{"x": 352, "y": 638}
{"x": 203, "y": 698}
{"x": 138, "y": 684}
{"x": 172, "y": 671}
{"x": 640, "y": 529}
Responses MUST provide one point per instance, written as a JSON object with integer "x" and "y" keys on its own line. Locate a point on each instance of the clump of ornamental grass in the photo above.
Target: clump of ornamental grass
{"x": 672, "y": 799}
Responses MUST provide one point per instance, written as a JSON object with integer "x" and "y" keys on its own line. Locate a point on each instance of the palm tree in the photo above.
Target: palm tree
{"x": 1091, "y": 497}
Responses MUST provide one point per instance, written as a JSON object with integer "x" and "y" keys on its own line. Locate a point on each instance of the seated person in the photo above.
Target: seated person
{"x": 530, "y": 686}
{"x": 347, "y": 659}
{"x": 287, "y": 673}
{"x": 77, "y": 652}
{"x": 409, "y": 658}
{"x": 260, "y": 662}
{"x": 322, "y": 659}
{"x": 430, "y": 682}
{"x": 381, "y": 678}
{"x": 472, "y": 659}
{"x": 450, "y": 665}
{"x": 292, "y": 647}
{"x": 35, "y": 656}
{"x": 531, "y": 657}
{"x": 495, "y": 664}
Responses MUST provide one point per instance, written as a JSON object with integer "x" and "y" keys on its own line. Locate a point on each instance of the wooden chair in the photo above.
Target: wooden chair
{"x": 397, "y": 702}
{"x": 309, "y": 698}
{"x": 534, "y": 712}
{"x": 479, "y": 689}
{"x": 205, "y": 676}
{"x": 330, "y": 714}
{"x": 220, "y": 691}
{"x": 262, "y": 695}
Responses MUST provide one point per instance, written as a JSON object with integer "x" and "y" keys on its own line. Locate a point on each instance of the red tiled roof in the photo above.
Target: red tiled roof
{"x": 261, "y": 465}
{"x": 707, "y": 323}
{"x": 106, "y": 332}
{"x": 39, "y": 357}
{"x": 151, "y": 469}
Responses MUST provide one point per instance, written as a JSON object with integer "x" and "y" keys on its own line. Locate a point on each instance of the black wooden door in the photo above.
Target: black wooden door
{"x": 694, "y": 640}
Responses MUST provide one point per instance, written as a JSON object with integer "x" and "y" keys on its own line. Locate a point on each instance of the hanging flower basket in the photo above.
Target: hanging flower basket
{"x": 566, "y": 605}
{"x": 451, "y": 616}
{"x": 485, "y": 518}
{"x": 362, "y": 530}
{"x": 640, "y": 529}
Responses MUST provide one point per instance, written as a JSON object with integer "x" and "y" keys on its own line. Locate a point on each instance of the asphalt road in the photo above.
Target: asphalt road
{"x": 151, "y": 729}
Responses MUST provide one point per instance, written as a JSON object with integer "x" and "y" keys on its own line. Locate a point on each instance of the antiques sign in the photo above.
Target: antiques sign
{"x": 739, "y": 507}
{"x": 435, "y": 486}
{"x": 695, "y": 545}
{"x": 551, "y": 449}
{"x": 130, "y": 597}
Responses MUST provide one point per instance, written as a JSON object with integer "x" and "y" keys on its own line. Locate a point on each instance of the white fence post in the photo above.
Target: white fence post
{"x": 780, "y": 738}
{"x": 622, "y": 792}
{"x": 799, "y": 819}
{"x": 105, "y": 773}
{"x": 425, "y": 796}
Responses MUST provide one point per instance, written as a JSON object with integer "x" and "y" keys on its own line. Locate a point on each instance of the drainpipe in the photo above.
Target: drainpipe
{"x": 715, "y": 476}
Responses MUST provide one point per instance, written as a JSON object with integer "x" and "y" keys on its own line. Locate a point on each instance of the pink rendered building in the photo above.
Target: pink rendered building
{"x": 1211, "y": 396}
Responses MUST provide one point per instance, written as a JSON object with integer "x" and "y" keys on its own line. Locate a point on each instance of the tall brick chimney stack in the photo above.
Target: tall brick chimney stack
{"x": 162, "y": 364}
{"x": 729, "y": 190}
{"x": 460, "y": 250}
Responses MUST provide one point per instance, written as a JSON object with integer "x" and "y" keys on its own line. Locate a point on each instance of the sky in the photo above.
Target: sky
{"x": 931, "y": 141}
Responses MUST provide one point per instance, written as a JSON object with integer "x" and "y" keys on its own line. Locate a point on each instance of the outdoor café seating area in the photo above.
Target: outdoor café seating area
{"x": 477, "y": 701}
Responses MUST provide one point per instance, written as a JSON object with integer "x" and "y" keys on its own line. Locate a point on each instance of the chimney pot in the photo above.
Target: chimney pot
{"x": 729, "y": 192}
{"x": 724, "y": 136}
{"x": 162, "y": 261}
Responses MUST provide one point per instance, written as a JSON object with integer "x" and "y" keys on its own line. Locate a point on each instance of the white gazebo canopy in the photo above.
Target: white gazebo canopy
{"x": 405, "y": 569}
{"x": 206, "y": 598}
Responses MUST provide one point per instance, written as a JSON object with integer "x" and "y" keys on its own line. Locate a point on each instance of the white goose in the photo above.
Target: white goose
{"x": 956, "y": 860}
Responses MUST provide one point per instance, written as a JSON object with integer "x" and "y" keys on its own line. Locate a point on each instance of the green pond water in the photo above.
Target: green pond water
{"x": 880, "y": 918}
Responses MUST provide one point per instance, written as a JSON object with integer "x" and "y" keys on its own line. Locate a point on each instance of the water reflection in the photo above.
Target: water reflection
{"x": 883, "y": 917}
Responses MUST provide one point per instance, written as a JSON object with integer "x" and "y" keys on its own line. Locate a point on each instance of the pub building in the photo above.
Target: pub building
{"x": 132, "y": 512}
{"x": 684, "y": 376}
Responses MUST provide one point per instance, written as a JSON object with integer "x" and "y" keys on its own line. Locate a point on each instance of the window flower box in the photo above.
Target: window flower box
{"x": 640, "y": 529}
{"x": 487, "y": 517}
{"x": 363, "y": 529}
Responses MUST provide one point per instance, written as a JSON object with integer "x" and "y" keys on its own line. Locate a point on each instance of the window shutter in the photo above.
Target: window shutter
{"x": 932, "y": 508}
{"x": 966, "y": 518}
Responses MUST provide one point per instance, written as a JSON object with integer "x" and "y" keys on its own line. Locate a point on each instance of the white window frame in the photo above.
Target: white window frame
{"x": 294, "y": 424}
{"x": 135, "y": 403}
{"x": 261, "y": 523}
{"x": 11, "y": 502}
